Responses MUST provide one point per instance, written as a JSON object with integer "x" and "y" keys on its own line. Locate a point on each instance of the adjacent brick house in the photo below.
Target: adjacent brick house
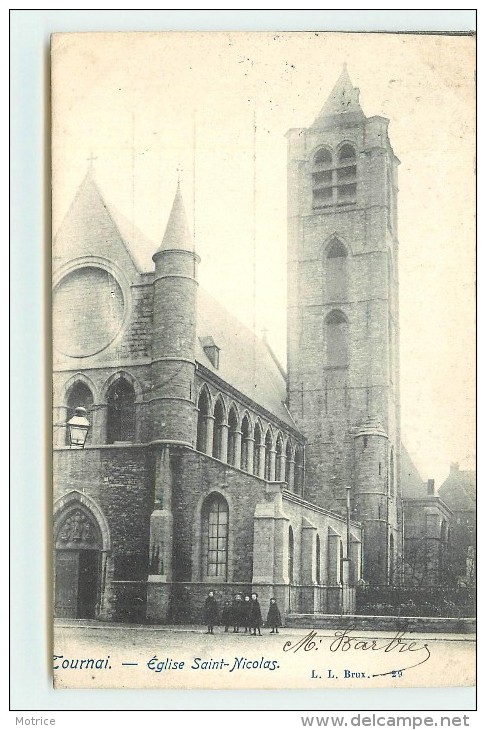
{"x": 207, "y": 465}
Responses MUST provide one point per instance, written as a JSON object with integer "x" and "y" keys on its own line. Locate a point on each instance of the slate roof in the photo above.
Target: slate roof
{"x": 458, "y": 490}
{"x": 246, "y": 362}
{"x": 412, "y": 484}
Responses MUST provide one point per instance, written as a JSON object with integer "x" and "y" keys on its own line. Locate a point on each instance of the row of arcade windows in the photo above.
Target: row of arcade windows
{"x": 120, "y": 407}
{"x": 334, "y": 181}
{"x": 215, "y": 525}
{"x": 246, "y": 446}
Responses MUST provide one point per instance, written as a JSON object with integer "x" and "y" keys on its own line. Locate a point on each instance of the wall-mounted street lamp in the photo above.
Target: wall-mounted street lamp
{"x": 77, "y": 427}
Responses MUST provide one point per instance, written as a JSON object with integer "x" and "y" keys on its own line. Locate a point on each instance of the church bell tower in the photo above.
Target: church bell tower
{"x": 343, "y": 365}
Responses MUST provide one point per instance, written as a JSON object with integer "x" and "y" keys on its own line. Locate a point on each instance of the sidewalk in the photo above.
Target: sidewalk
{"x": 329, "y": 629}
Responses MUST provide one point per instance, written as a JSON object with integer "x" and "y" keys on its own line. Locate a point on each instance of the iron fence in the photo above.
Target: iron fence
{"x": 439, "y": 601}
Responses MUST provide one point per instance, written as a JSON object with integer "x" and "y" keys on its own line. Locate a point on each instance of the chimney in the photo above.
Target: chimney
{"x": 430, "y": 487}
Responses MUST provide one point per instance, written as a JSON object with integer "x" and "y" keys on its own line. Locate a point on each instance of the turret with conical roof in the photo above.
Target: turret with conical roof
{"x": 174, "y": 331}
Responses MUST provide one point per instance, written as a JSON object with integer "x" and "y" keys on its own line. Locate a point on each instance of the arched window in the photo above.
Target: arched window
{"x": 322, "y": 179}
{"x": 202, "y": 421}
{"x": 279, "y": 470}
{"x": 291, "y": 554}
{"x": 318, "y": 559}
{"x": 288, "y": 462}
{"x": 336, "y": 272}
{"x": 268, "y": 457}
{"x": 219, "y": 425}
{"x": 392, "y": 472}
{"x": 80, "y": 396}
{"x": 215, "y": 524}
{"x": 121, "y": 412}
{"x": 245, "y": 443}
{"x": 337, "y": 332}
{"x": 257, "y": 449}
{"x": 232, "y": 432}
{"x": 299, "y": 470}
{"x": 346, "y": 175}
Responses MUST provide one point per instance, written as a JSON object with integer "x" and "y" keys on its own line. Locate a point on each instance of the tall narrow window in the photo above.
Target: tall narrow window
{"x": 392, "y": 472}
{"x": 202, "y": 421}
{"x": 215, "y": 524}
{"x": 291, "y": 555}
{"x": 346, "y": 175}
{"x": 232, "y": 432}
{"x": 245, "y": 443}
{"x": 121, "y": 412}
{"x": 279, "y": 471}
{"x": 322, "y": 174}
{"x": 288, "y": 463}
{"x": 336, "y": 272}
{"x": 219, "y": 425}
{"x": 337, "y": 332}
{"x": 257, "y": 450}
{"x": 318, "y": 559}
{"x": 268, "y": 457}
{"x": 299, "y": 470}
{"x": 80, "y": 396}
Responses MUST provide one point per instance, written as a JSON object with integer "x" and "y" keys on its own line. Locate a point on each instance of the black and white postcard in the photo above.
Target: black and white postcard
{"x": 263, "y": 268}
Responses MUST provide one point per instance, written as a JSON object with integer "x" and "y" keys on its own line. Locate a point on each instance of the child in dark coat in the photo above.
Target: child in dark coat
{"x": 255, "y": 616}
{"x": 210, "y": 612}
{"x": 237, "y": 613}
{"x": 227, "y": 616}
{"x": 245, "y": 613}
{"x": 274, "y": 620}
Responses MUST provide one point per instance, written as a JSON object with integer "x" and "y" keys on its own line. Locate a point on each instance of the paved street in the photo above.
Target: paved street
{"x": 114, "y": 655}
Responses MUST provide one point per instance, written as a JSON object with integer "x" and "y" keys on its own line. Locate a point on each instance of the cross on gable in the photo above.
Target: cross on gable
{"x": 91, "y": 159}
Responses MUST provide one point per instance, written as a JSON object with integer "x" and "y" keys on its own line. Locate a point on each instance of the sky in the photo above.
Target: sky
{"x": 213, "y": 109}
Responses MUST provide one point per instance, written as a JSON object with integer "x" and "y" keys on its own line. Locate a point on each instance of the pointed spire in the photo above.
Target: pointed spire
{"x": 343, "y": 99}
{"x": 177, "y": 234}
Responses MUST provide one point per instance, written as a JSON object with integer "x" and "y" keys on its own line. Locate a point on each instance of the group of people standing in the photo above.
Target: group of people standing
{"x": 243, "y": 612}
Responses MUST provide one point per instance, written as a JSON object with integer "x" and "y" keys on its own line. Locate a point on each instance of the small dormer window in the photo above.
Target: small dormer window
{"x": 211, "y": 350}
{"x": 213, "y": 355}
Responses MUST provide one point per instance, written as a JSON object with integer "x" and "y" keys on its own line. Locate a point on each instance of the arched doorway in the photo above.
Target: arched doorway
{"x": 78, "y": 551}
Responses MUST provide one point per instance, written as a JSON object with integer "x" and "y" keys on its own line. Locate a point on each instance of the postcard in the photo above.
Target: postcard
{"x": 263, "y": 350}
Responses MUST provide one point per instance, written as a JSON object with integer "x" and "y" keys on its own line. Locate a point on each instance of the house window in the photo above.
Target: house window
{"x": 121, "y": 412}
{"x": 215, "y": 522}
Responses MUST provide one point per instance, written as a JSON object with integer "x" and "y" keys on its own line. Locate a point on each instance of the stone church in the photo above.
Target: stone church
{"x": 207, "y": 465}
